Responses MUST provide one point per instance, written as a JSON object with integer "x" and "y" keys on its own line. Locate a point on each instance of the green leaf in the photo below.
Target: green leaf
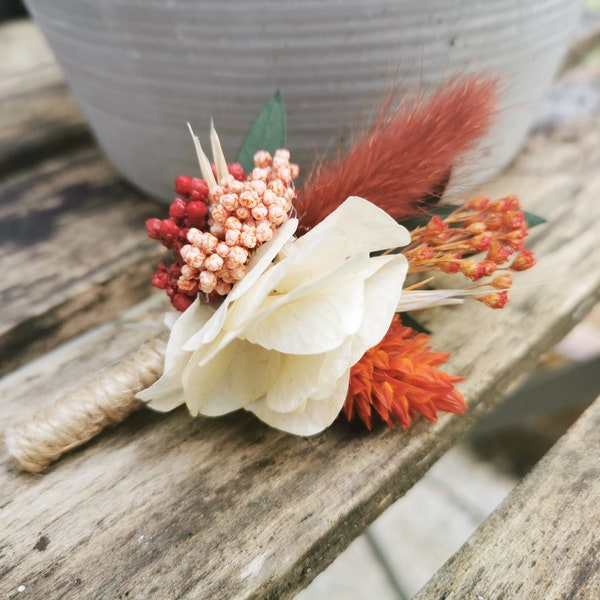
{"x": 267, "y": 132}
{"x": 533, "y": 220}
{"x": 410, "y": 322}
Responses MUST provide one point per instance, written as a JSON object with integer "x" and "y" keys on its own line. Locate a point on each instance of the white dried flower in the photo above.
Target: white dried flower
{"x": 284, "y": 339}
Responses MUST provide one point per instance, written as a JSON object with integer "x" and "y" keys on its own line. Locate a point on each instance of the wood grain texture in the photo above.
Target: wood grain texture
{"x": 171, "y": 507}
{"x": 74, "y": 252}
{"x": 544, "y": 540}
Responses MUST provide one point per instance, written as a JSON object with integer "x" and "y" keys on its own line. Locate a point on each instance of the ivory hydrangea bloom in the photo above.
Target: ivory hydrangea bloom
{"x": 283, "y": 341}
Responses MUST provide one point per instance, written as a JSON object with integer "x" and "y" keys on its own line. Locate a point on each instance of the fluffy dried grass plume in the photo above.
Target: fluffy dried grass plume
{"x": 408, "y": 154}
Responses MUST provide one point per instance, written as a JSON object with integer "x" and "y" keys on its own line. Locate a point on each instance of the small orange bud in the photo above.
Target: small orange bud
{"x": 499, "y": 252}
{"x": 421, "y": 253}
{"x": 494, "y": 299}
{"x": 479, "y": 203}
{"x": 476, "y": 269}
{"x": 488, "y": 267}
{"x": 435, "y": 226}
{"x": 524, "y": 261}
{"x": 513, "y": 219}
{"x": 504, "y": 205}
{"x": 476, "y": 227}
{"x": 426, "y": 252}
{"x": 516, "y": 238}
{"x": 493, "y": 222}
{"x": 449, "y": 266}
{"x": 481, "y": 242}
{"x": 502, "y": 282}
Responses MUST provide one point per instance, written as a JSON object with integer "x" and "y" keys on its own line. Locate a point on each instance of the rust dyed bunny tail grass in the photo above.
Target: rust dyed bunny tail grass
{"x": 407, "y": 156}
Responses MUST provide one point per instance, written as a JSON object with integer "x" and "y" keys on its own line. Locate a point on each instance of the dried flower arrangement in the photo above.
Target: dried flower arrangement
{"x": 293, "y": 301}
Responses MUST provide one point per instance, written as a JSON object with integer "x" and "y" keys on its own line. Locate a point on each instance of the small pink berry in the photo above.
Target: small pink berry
{"x": 181, "y": 302}
{"x": 183, "y": 185}
{"x": 237, "y": 171}
{"x": 153, "y": 228}
{"x": 178, "y": 208}
{"x": 196, "y": 214}
{"x": 198, "y": 189}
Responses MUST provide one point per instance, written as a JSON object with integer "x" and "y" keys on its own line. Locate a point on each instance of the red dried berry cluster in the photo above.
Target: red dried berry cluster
{"x": 188, "y": 209}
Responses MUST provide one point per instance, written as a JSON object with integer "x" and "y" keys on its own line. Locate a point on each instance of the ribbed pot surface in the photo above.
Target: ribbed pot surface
{"x": 141, "y": 68}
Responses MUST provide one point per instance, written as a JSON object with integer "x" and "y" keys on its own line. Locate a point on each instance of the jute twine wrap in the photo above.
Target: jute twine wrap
{"x": 82, "y": 414}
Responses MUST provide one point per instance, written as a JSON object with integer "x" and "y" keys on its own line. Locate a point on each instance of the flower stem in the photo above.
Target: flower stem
{"x": 82, "y": 414}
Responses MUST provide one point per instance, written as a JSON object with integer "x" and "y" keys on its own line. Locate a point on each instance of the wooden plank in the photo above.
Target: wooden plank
{"x": 38, "y": 116}
{"x": 172, "y": 507}
{"x": 544, "y": 540}
{"x": 61, "y": 273}
{"x": 74, "y": 252}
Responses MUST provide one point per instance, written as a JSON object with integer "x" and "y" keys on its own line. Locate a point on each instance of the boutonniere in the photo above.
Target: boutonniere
{"x": 292, "y": 299}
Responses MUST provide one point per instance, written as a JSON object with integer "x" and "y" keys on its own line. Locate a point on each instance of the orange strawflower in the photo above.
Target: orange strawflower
{"x": 397, "y": 379}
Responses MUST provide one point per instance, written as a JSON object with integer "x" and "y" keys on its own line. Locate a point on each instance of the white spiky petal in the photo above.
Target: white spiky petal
{"x": 217, "y": 153}
{"x": 419, "y": 299}
{"x": 203, "y": 161}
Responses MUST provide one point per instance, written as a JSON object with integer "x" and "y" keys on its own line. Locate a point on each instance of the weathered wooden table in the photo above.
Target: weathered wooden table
{"x": 174, "y": 507}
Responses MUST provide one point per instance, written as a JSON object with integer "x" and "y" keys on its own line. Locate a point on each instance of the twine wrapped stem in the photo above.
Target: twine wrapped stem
{"x": 82, "y": 414}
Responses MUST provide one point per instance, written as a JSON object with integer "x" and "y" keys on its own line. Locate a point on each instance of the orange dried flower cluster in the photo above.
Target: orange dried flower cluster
{"x": 498, "y": 228}
{"x": 396, "y": 380}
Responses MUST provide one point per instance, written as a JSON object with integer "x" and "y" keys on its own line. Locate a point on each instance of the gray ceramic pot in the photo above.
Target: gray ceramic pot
{"x": 141, "y": 68}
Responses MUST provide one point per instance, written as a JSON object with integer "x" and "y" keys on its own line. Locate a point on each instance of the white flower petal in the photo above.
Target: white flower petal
{"x": 256, "y": 267}
{"x": 382, "y": 290}
{"x": 314, "y": 323}
{"x": 317, "y": 315}
{"x": 316, "y": 258}
{"x": 369, "y": 227}
{"x": 298, "y": 379}
{"x": 244, "y": 310}
{"x": 167, "y": 392}
{"x": 238, "y": 375}
{"x": 193, "y": 319}
{"x": 263, "y": 258}
{"x": 313, "y": 418}
{"x": 276, "y": 280}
